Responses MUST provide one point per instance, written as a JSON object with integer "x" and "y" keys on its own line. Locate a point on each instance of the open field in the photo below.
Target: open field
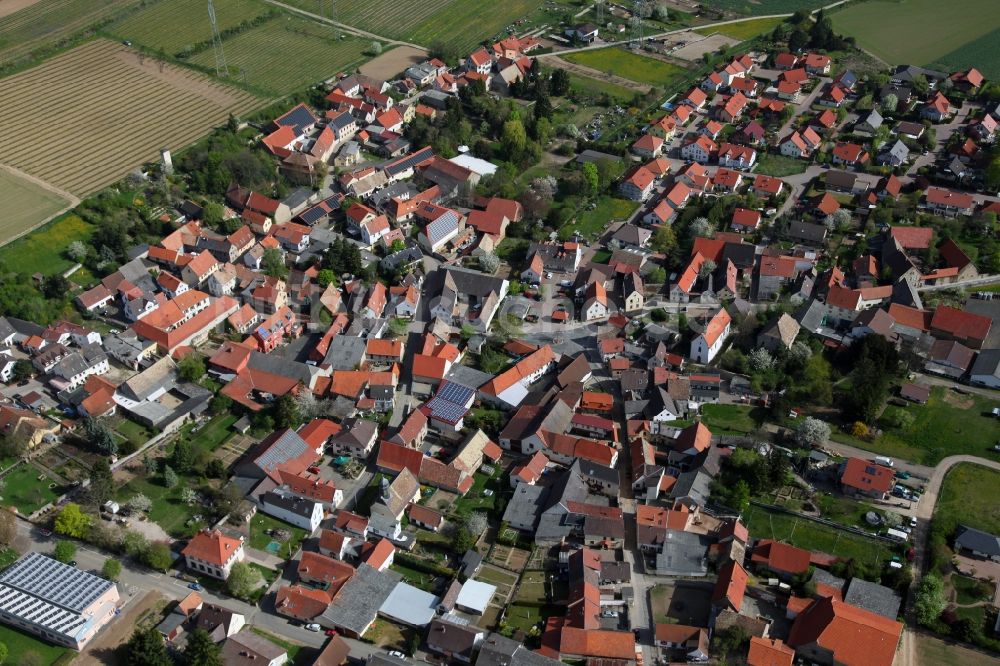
{"x": 123, "y": 113}
{"x": 980, "y": 53}
{"x": 628, "y": 65}
{"x": 262, "y": 54}
{"x": 771, "y": 164}
{"x": 178, "y": 25}
{"x": 948, "y": 424}
{"x": 744, "y": 29}
{"x": 809, "y": 535}
{"x": 933, "y": 651}
{"x": 41, "y": 250}
{"x": 461, "y": 24}
{"x": 26, "y": 204}
{"x": 590, "y": 86}
{"x": 968, "y": 497}
{"x": 917, "y": 31}
{"x": 766, "y": 7}
{"x": 391, "y": 63}
{"x": 47, "y": 21}
{"x": 589, "y": 223}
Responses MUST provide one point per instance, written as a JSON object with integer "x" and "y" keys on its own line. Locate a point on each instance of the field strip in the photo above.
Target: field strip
{"x": 343, "y": 26}
{"x": 14, "y": 171}
{"x": 598, "y": 75}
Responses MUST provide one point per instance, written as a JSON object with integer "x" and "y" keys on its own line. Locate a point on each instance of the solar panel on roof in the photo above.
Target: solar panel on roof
{"x": 444, "y": 410}
{"x": 455, "y": 393}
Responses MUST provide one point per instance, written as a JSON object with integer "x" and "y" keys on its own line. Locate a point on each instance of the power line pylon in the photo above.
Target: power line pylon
{"x": 220, "y": 55}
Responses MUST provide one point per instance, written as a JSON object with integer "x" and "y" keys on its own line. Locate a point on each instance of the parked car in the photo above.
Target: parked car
{"x": 331, "y": 632}
{"x": 913, "y": 521}
{"x": 397, "y": 653}
{"x": 195, "y": 586}
{"x": 312, "y": 626}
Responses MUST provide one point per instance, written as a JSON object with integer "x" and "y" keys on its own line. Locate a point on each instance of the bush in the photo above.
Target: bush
{"x": 65, "y": 551}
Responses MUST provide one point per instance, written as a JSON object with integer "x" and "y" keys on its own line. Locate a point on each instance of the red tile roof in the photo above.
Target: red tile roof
{"x": 597, "y": 643}
{"x": 854, "y": 636}
{"x": 320, "y": 568}
{"x": 913, "y": 238}
{"x": 398, "y": 457}
{"x": 213, "y": 547}
{"x": 867, "y": 476}
{"x": 731, "y": 585}
{"x": 769, "y": 652}
{"x": 780, "y": 557}
{"x": 746, "y": 218}
{"x": 960, "y": 324}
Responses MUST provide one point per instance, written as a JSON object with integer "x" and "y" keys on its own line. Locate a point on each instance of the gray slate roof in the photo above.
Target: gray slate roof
{"x": 357, "y": 603}
{"x": 873, "y": 597}
{"x": 977, "y": 540}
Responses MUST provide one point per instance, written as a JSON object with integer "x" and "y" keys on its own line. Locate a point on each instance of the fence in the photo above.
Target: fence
{"x": 824, "y": 521}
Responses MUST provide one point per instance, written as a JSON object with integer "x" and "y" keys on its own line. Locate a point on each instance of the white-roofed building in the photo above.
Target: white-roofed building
{"x": 475, "y": 596}
{"x": 410, "y": 606}
{"x": 53, "y": 600}
{"x": 474, "y": 164}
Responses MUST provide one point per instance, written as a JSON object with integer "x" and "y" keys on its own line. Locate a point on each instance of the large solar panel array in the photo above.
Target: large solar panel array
{"x": 298, "y": 119}
{"x": 441, "y": 227}
{"x": 38, "y": 611}
{"x": 54, "y": 582}
{"x": 445, "y": 410}
{"x": 455, "y": 393}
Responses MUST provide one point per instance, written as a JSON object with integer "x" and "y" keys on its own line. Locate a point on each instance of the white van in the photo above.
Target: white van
{"x": 897, "y": 535}
{"x": 882, "y": 460}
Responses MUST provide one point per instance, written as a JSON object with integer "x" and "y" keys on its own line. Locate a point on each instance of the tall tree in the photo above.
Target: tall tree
{"x": 146, "y": 648}
{"x": 201, "y": 650}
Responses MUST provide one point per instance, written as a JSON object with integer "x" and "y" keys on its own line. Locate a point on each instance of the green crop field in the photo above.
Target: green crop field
{"x": 41, "y": 250}
{"x": 765, "y": 7}
{"x": 461, "y": 24}
{"x": 47, "y": 21}
{"x": 744, "y": 29}
{"x": 287, "y": 54}
{"x": 25, "y": 204}
{"x": 919, "y": 32}
{"x": 981, "y": 53}
{"x": 626, "y": 64}
{"x": 177, "y": 25}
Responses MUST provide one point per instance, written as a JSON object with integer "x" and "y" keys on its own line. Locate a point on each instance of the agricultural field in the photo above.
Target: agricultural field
{"x": 40, "y": 251}
{"x": 26, "y": 205}
{"x": 46, "y": 22}
{"x": 980, "y": 53}
{"x": 920, "y": 32}
{"x": 628, "y": 65}
{"x": 744, "y": 29}
{"x": 766, "y": 7}
{"x": 262, "y": 55}
{"x": 460, "y": 24}
{"x": 178, "y": 25}
{"x": 124, "y": 111}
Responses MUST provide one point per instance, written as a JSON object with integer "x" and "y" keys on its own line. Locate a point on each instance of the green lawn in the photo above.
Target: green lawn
{"x": 23, "y": 489}
{"x": 26, "y": 649}
{"x": 810, "y": 535}
{"x": 744, "y": 29}
{"x": 134, "y": 432}
{"x": 969, "y": 497}
{"x": 590, "y": 86}
{"x": 729, "y": 419}
{"x": 474, "y": 500}
{"x": 421, "y": 579}
{"x": 619, "y": 62}
{"x": 214, "y": 434}
{"x": 948, "y": 424}
{"x": 917, "y": 31}
{"x": 590, "y": 223}
{"x": 845, "y": 511}
{"x": 769, "y": 164}
{"x": 526, "y": 617}
{"x": 259, "y": 537}
{"x": 967, "y": 590}
{"x": 495, "y": 577}
{"x": 42, "y": 250}
{"x": 168, "y": 511}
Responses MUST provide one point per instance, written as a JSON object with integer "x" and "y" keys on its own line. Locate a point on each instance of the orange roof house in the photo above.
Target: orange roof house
{"x": 866, "y": 477}
{"x": 731, "y": 586}
{"x": 780, "y": 558}
{"x": 833, "y": 631}
{"x": 213, "y": 547}
{"x": 769, "y": 652}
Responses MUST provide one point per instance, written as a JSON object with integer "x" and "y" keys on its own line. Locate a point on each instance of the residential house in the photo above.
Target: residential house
{"x": 212, "y": 553}
{"x": 706, "y": 345}
{"x": 863, "y": 477}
